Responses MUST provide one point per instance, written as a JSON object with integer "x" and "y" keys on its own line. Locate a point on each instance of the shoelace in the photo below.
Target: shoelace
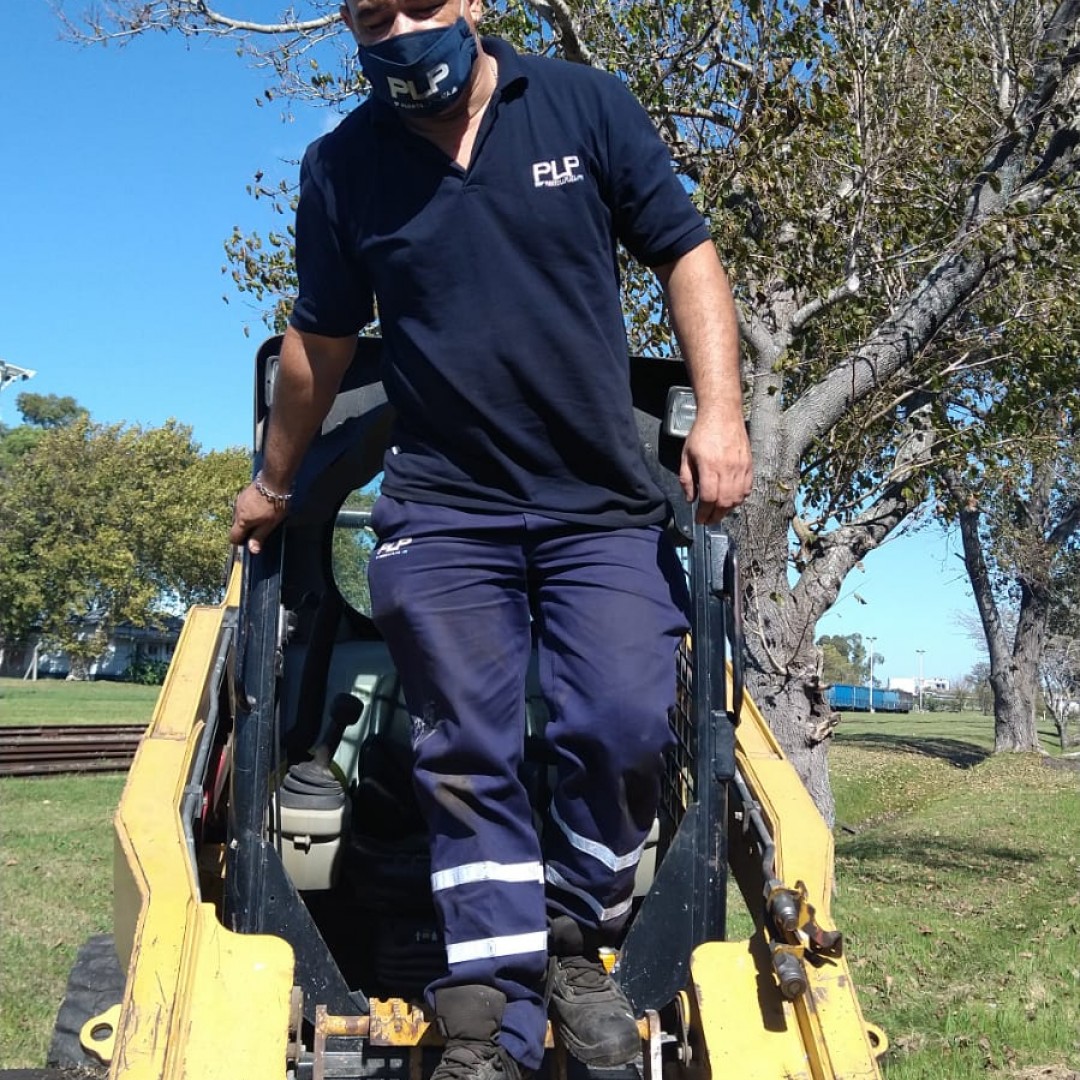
{"x": 584, "y": 975}
{"x": 462, "y": 1057}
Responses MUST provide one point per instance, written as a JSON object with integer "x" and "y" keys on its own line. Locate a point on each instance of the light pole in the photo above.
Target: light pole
{"x": 9, "y": 373}
{"x": 920, "y": 653}
{"x": 871, "y": 640}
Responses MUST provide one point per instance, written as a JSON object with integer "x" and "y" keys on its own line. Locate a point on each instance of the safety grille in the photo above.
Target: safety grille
{"x": 678, "y": 786}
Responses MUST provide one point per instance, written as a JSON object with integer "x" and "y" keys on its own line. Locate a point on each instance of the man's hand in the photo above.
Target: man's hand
{"x": 310, "y": 369}
{"x": 716, "y": 468}
{"x": 255, "y": 517}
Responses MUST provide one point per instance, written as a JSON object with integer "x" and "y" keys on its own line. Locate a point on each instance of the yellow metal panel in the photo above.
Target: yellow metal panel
{"x": 826, "y": 1021}
{"x": 182, "y": 696}
{"x": 232, "y": 1013}
{"x": 750, "y": 1032}
{"x": 804, "y": 845}
{"x": 196, "y": 993}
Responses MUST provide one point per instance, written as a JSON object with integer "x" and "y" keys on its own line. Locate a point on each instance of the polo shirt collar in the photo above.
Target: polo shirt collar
{"x": 511, "y": 69}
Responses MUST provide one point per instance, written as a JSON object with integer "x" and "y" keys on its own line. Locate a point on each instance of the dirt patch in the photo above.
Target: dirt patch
{"x": 1046, "y": 1072}
{"x": 1070, "y": 762}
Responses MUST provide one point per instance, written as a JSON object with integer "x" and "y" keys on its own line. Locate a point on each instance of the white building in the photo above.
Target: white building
{"x": 911, "y": 684}
{"x": 128, "y": 645}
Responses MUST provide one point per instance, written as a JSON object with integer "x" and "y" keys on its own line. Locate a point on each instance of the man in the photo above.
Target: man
{"x": 478, "y": 197}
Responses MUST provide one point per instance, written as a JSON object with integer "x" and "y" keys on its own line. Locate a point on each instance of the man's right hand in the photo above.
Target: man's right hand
{"x": 255, "y": 517}
{"x": 310, "y": 369}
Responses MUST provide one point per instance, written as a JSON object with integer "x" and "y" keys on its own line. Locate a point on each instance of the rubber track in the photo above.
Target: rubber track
{"x": 95, "y": 983}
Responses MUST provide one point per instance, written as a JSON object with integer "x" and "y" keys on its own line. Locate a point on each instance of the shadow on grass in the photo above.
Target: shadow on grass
{"x": 962, "y": 754}
{"x": 934, "y": 853}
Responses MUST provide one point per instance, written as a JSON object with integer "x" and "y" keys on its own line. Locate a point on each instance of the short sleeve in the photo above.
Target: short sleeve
{"x": 335, "y": 298}
{"x": 652, "y": 212}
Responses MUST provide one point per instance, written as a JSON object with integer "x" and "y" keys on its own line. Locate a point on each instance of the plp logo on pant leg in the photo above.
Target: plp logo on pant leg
{"x": 393, "y": 547}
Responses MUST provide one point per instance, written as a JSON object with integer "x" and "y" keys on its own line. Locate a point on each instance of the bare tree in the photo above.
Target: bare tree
{"x": 1059, "y": 672}
{"x": 979, "y": 681}
{"x": 1019, "y": 518}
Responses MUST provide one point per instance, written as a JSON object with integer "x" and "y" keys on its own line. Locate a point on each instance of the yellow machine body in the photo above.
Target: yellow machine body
{"x": 203, "y": 1002}
{"x": 748, "y": 1028}
{"x": 200, "y": 1002}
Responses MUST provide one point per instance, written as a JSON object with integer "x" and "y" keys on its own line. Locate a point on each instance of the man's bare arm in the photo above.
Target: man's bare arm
{"x": 716, "y": 467}
{"x": 310, "y": 369}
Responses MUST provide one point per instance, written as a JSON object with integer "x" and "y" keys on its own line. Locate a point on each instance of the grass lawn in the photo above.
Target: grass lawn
{"x": 56, "y": 858}
{"x": 969, "y": 734}
{"x": 55, "y": 701}
{"x": 958, "y": 888}
{"x": 56, "y": 845}
{"x": 959, "y": 893}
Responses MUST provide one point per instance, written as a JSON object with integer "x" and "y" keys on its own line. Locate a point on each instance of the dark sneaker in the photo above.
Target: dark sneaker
{"x": 469, "y": 1017}
{"x": 594, "y": 1018}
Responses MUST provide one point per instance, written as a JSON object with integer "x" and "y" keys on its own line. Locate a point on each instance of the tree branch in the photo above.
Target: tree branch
{"x": 217, "y": 19}
{"x": 958, "y": 273}
{"x": 833, "y": 555}
{"x": 978, "y": 572}
{"x": 1069, "y": 523}
{"x": 819, "y": 304}
{"x": 189, "y": 17}
{"x": 558, "y": 15}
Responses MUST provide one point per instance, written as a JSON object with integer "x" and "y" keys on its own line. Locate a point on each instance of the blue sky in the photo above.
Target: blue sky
{"x": 909, "y": 594}
{"x": 123, "y": 171}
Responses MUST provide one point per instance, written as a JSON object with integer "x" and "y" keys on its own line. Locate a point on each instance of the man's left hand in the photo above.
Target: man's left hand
{"x": 716, "y": 468}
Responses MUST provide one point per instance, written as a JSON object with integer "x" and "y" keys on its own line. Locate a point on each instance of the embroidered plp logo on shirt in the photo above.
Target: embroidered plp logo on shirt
{"x": 556, "y": 173}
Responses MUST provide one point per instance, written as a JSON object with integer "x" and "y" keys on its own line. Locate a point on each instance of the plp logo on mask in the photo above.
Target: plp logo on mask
{"x": 422, "y": 71}
{"x": 407, "y": 88}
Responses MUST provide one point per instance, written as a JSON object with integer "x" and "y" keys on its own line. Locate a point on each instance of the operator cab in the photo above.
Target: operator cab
{"x": 326, "y": 845}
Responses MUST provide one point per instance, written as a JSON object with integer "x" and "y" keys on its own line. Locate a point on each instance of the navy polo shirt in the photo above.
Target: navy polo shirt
{"x": 497, "y": 287}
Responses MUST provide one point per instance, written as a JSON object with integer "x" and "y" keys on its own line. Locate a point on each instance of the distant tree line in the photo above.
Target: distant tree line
{"x": 845, "y": 659}
{"x": 106, "y": 524}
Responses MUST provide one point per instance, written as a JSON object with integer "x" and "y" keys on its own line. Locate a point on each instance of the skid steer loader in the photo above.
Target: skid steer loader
{"x": 273, "y": 912}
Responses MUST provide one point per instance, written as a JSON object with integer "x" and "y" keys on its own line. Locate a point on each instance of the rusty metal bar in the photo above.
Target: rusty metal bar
{"x": 51, "y": 750}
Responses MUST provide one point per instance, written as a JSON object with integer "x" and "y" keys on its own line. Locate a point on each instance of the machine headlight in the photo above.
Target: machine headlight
{"x": 680, "y": 412}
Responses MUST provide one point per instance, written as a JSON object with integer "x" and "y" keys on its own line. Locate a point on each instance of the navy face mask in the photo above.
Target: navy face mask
{"x": 421, "y": 72}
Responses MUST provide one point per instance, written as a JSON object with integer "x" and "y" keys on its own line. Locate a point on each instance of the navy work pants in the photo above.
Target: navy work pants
{"x": 460, "y": 598}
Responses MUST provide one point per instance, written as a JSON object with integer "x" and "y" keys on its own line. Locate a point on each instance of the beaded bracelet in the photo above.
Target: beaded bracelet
{"x": 280, "y": 502}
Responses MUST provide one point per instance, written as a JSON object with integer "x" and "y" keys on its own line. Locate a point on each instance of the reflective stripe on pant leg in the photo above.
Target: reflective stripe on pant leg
{"x": 612, "y": 613}
{"x": 453, "y": 607}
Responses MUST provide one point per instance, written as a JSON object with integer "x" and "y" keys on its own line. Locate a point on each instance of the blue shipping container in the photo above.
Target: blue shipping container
{"x": 845, "y": 696}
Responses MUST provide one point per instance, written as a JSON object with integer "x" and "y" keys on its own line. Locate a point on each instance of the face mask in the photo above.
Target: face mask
{"x": 421, "y": 72}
